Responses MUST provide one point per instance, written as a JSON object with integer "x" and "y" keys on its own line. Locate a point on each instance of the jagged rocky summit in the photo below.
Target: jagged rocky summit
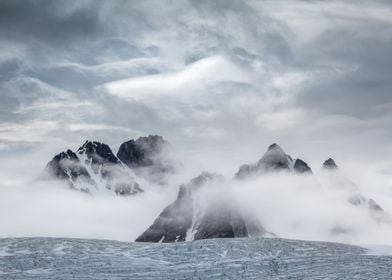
{"x": 202, "y": 209}
{"x": 274, "y": 159}
{"x": 94, "y": 167}
{"x": 147, "y": 156}
{"x": 194, "y": 216}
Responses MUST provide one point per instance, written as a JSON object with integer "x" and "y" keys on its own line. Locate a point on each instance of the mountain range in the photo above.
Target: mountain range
{"x": 94, "y": 168}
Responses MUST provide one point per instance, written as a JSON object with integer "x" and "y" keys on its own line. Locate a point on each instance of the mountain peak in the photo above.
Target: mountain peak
{"x": 140, "y": 152}
{"x": 273, "y": 147}
{"x": 330, "y": 164}
{"x": 152, "y": 144}
{"x": 66, "y": 166}
{"x": 93, "y": 167}
{"x": 89, "y": 145}
{"x": 301, "y": 167}
{"x": 99, "y": 151}
{"x": 274, "y": 159}
{"x": 182, "y": 220}
{"x": 66, "y": 155}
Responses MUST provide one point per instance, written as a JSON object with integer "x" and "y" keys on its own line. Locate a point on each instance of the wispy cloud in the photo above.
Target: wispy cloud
{"x": 221, "y": 80}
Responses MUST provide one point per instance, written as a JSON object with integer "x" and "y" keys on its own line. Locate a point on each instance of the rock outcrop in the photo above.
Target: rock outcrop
{"x": 106, "y": 169}
{"x": 330, "y": 164}
{"x": 193, "y": 216}
{"x": 91, "y": 169}
{"x": 273, "y": 160}
{"x": 67, "y": 167}
{"x": 301, "y": 167}
{"x": 146, "y": 156}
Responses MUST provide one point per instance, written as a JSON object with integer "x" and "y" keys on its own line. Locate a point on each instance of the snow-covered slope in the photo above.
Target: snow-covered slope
{"x": 108, "y": 173}
{"x": 238, "y": 258}
{"x": 93, "y": 168}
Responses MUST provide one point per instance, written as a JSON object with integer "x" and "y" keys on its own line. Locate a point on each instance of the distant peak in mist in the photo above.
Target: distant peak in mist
{"x": 66, "y": 155}
{"x": 141, "y": 152}
{"x": 88, "y": 144}
{"x": 275, "y": 146}
{"x": 210, "y": 206}
{"x": 301, "y": 167}
{"x": 98, "y": 151}
{"x": 330, "y": 164}
{"x": 148, "y": 158}
{"x": 274, "y": 159}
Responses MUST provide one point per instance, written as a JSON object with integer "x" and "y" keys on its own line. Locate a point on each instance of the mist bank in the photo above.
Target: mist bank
{"x": 309, "y": 207}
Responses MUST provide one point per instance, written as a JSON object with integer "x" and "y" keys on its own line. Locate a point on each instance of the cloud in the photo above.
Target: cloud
{"x": 44, "y": 20}
{"x": 255, "y": 71}
{"x": 55, "y": 211}
{"x": 195, "y": 77}
{"x": 221, "y": 80}
{"x": 302, "y": 207}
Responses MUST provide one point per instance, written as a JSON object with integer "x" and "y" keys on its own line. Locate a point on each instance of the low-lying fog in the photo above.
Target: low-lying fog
{"x": 290, "y": 206}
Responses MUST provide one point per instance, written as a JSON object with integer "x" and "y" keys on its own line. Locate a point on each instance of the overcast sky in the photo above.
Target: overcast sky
{"x": 223, "y": 78}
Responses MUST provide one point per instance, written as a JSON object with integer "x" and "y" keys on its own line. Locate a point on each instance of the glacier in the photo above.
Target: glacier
{"x": 230, "y": 258}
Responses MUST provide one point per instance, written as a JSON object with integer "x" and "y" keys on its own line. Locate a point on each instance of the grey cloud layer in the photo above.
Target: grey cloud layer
{"x": 313, "y": 75}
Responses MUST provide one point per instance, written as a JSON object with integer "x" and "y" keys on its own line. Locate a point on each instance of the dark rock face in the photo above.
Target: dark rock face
{"x": 174, "y": 221}
{"x": 221, "y": 221}
{"x": 141, "y": 152}
{"x": 102, "y": 163}
{"x": 186, "y": 219}
{"x": 99, "y": 158}
{"x": 301, "y": 167}
{"x": 92, "y": 168}
{"x": 99, "y": 153}
{"x": 273, "y": 160}
{"x": 67, "y": 167}
{"x": 144, "y": 157}
{"x": 330, "y": 164}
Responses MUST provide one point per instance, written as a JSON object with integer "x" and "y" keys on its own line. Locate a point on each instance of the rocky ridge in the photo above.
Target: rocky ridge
{"x": 94, "y": 167}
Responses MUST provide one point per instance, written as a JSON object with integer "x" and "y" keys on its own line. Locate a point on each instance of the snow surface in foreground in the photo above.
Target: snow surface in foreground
{"x": 241, "y": 258}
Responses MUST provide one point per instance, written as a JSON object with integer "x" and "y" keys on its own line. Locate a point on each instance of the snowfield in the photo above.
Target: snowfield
{"x": 239, "y": 258}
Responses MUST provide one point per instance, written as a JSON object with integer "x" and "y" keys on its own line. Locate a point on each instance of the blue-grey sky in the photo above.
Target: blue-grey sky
{"x": 229, "y": 77}
{"x": 221, "y": 80}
